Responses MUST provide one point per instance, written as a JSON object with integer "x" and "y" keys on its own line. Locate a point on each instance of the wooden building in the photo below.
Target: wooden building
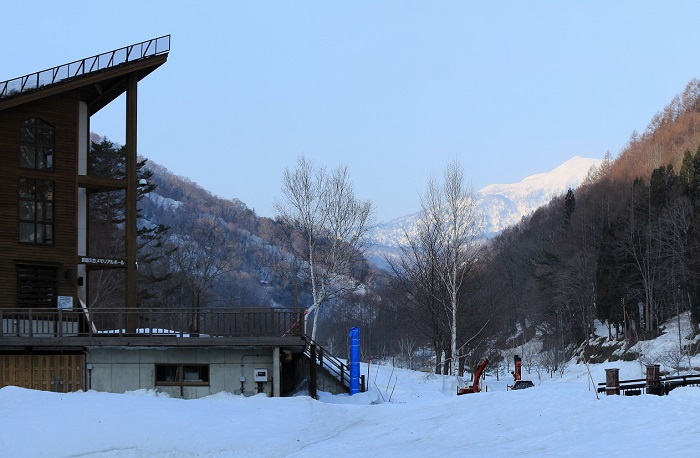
{"x": 44, "y": 181}
{"x": 51, "y": 338}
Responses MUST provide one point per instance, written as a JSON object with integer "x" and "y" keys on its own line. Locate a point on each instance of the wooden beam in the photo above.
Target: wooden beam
{"x": 101, "y": 184}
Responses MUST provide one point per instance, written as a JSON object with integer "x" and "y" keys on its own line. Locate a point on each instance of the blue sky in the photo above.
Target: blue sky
{"x": 393, "y": 89}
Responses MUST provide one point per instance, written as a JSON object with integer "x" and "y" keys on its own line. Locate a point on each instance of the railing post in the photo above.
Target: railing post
{"x": 612, "y": 381}
{"x": 302, "y": 323}
{"x": 653, "y": 384}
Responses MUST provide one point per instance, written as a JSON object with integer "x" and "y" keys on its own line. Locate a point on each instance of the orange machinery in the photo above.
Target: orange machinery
{"x": 475, "y": 387}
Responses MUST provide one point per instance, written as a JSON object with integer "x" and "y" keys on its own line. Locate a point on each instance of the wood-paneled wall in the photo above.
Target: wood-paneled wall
{"x": 61, "y": 111}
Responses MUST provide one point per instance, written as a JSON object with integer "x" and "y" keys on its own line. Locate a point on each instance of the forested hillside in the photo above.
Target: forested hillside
{"x": 622, "y": 249}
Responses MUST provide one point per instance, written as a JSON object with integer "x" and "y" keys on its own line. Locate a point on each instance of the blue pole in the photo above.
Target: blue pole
{"x": 354, "y": 360}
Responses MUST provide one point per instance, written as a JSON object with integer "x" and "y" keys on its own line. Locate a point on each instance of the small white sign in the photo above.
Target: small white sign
{"x": 65, "y": 302}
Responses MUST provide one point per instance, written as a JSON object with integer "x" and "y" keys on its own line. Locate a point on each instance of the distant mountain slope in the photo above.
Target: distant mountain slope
{"x": 502, "y": 205}
{"x": 505, "y": 204}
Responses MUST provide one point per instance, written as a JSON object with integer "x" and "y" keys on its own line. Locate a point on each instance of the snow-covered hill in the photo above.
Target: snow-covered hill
{"x": 501, "y": 205}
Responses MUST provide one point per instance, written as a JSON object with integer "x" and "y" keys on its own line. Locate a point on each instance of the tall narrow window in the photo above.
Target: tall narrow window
{"x": 36, "y": 145}
{"x": 36, "y": 212}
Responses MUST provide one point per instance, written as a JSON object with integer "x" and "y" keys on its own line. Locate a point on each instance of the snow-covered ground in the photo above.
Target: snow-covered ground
{"x": 405, "y": 414}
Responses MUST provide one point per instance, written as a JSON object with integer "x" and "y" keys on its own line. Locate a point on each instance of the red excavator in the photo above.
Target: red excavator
{"x": 475, "y": 387}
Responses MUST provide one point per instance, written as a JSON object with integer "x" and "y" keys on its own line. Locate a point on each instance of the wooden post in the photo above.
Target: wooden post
{"x": 312, "y": 372}
{"x": 653, "y": 384}
{"x": 612, "y": 381}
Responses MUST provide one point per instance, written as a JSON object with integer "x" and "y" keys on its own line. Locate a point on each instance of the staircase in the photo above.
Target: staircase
{"x": 327, "y": 371}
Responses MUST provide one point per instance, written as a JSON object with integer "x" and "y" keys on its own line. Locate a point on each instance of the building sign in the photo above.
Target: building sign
{"x": 106, "y": 262}
{"x": 64, "y": 302}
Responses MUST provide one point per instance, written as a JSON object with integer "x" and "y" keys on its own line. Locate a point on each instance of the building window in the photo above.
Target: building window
{"x": 182, "y": 374}
{"x": 36, "y": 145}
{"x": 37, "y": 286}
{"x": 36, "y": 212}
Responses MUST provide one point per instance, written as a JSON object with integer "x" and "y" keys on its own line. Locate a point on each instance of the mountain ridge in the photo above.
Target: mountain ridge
{"x": 502, "y": 205}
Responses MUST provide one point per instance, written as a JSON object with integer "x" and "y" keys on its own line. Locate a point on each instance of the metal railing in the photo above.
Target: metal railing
{"x": 81, "y": 67}
{"x": 100, "y": 322}
{"x": 333, "y": 366}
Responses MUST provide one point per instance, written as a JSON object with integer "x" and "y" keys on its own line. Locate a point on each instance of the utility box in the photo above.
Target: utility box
{"x": 260, "y": 375}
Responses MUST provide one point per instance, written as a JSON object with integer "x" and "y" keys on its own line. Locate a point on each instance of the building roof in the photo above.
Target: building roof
{"x": 99, "y": 79}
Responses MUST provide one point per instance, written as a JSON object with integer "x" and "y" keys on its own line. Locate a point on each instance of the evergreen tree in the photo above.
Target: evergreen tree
{"x": 569, "y": 204}
{"x": 107, "y": 213}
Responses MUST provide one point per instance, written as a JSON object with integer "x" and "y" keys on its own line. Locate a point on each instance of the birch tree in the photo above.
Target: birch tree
{"x": 453, "y": 210}
{"x": 328, "y": 229}
{"x": 434, "y": 266}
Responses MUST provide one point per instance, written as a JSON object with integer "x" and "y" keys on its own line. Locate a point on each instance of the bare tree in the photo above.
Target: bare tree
{"x": 640, "y": 245}
{"x": 449, "y": 214}
{"x": 328, "y": 228}
{"x": 406, "y": 352}
{"x": 564, "y": 363}
{"x": 673, "y": 359}
{"x": 205, "y": 252}
{"x": 415, "y": 272}
{"x": 456, "y": 214}
{"x": 548, "y": 360}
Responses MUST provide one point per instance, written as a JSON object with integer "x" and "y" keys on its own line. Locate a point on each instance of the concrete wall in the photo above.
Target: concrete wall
{"x": 117, "y": 370}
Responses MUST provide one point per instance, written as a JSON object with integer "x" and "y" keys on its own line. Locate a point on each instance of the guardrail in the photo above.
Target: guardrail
{"x": 81, "y": 67}
{"x": 181, "y": 322}
{"x": 658, "y": 386}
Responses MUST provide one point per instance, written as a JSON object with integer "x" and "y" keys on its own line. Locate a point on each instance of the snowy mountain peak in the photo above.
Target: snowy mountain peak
{"x": 568, "y": 175}
{"x": 505, "y": 204}
{"x": 501, "y": 204}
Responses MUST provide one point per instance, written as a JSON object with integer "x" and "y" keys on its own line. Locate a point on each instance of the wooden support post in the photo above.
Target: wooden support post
{"x": 312, "y": 372}
{"x": 612, "y": 381}
{"x": 130, "y": 220}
